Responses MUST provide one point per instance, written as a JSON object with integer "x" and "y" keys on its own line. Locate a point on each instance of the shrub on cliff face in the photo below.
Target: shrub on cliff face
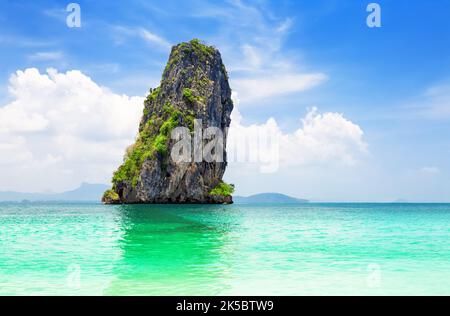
{"x": 110, "y": 196}
{"x": 187, "y": 93}
{"x": 153, "y": 94}
{"x": 223, "y": 189}
{"x": 190, "y": 97}
{"x": 201, "y": 49}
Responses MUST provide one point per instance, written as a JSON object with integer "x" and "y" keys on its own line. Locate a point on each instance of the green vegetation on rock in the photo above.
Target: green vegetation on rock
{"x": 153, "y": 94}
{"x": 111, "y": 196}
{"x": 201, "y": 50}
{"x": 153, "y": 138}
{"x": 151, "y": 98}
{"x": 189, "y": 95}
{"x": 223, "y": 189}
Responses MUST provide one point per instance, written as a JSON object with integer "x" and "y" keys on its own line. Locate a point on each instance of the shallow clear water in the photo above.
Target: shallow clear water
{"x": 343, "y": 249}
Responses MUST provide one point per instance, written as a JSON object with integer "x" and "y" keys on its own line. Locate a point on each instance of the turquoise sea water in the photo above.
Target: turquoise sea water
{"x": 311, "y": 249}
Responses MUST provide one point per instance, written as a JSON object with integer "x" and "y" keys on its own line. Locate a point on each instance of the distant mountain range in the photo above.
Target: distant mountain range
{"x": 93, "y": 192}
{"x": 267, "y": 198}
{"x": 85, "y": 193}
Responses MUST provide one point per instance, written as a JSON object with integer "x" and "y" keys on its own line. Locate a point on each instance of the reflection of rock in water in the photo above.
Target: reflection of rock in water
{"x": 165, "y": 252}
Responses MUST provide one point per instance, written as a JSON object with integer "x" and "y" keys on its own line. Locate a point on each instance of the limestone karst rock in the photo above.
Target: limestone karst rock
{"x": 194, "y": 87}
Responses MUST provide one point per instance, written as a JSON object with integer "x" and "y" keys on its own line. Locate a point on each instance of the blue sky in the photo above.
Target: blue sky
{"x": 392, "y": 82}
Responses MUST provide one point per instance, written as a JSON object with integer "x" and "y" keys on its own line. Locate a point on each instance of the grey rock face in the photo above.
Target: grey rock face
{"x": 194, "y": 85}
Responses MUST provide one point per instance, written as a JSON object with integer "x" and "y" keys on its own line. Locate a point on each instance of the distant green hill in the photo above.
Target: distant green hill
{"x": 268, "y": 198}
{"x": 93, "y": 193}
{"x": 86, "y": 192}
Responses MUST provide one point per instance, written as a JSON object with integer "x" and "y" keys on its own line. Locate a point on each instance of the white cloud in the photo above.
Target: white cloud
{"x": 152, "y": 38}
{"x": 327, "y": 139}
{"x": 61, "y": 124}
{"x": 14, "y": 40}
{"x": 285, "y": 25}
{"x": 251, "y": 40}
{"x": 438, "y": 105}
{"x": 46, "y": 56}
{"x": 324, "y": 138}
{"x": 22, "y": 122}
{"x": 120, "y": 34}
{"x": 59, "y": 14}
{"x": 430, "y": 170}
{"x": 252, "y": 57}
{"x": 435, "y": 102}
{"x": 251, "y": 89}
{"x": 13, "y": 150}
